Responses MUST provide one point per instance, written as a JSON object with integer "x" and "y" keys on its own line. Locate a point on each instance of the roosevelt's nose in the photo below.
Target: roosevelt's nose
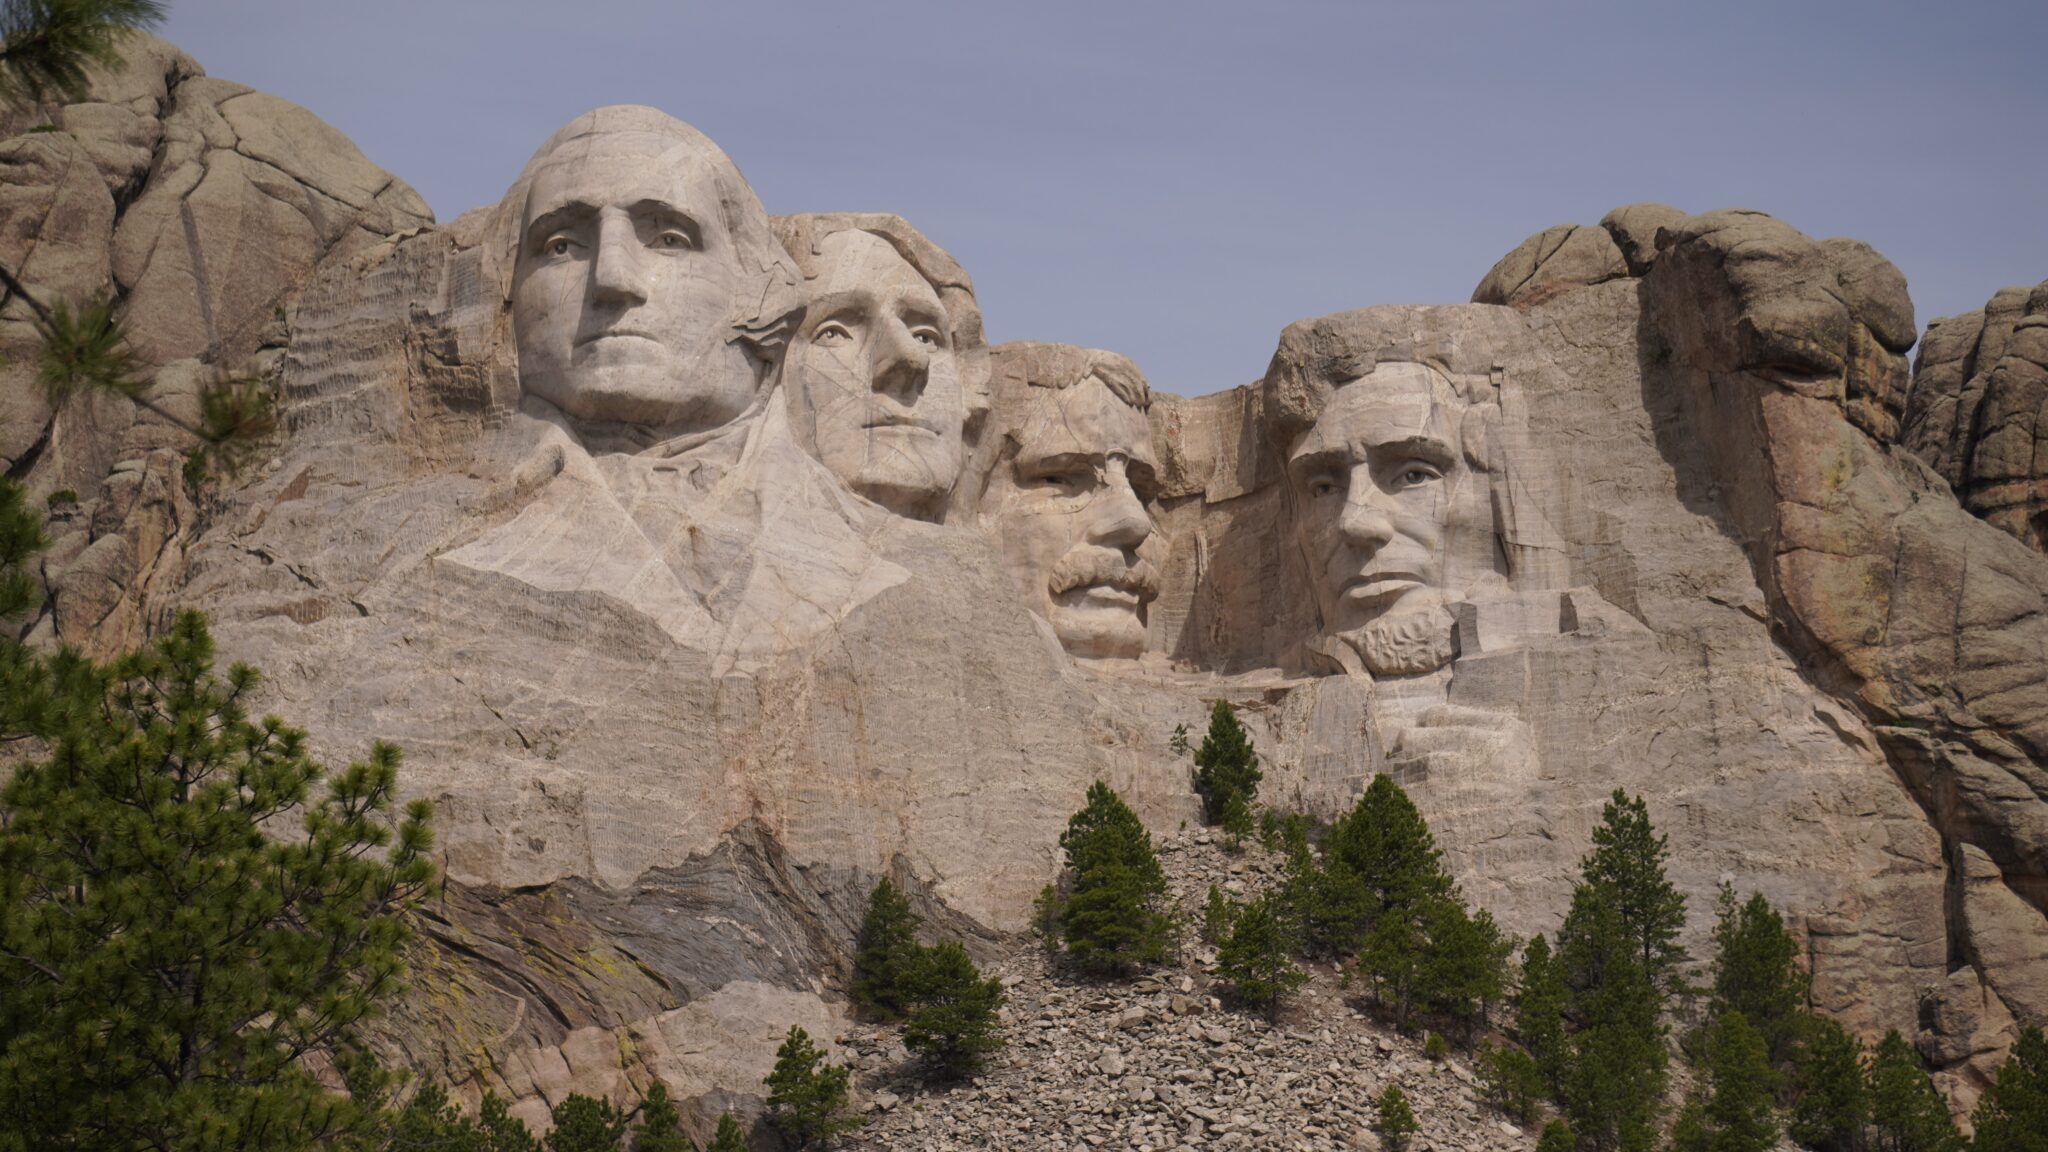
{"x": 618, "y": 276}
{"x": 898, "y": 363}
{"x": 1364, "y": 522}
{"x": 1118, "y": 518}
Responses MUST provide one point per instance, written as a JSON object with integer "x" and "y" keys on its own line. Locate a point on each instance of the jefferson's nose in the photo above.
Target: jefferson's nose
{"x": 617, "y": 276}
{"x": 1118, "y": 519}
{"x": 898, "y": 364}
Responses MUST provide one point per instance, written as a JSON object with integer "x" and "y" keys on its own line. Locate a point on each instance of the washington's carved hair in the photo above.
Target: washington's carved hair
{"x": 769, "y": 302}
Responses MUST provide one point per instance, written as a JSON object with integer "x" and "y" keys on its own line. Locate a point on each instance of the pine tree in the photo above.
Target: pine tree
{"x": 952, "y": 1024}
{"x": 1226, "y": 767}
{"x": 1538, "y": 1003}
{"x": 2012, "y": 1115}
{"x": 1557, "y": 1137}
{"x": 1386, "y": 844}
{"x": 1831, "y": 1099}
{"x": 729, "y": 1137}
{"x": 1627, "y": 862}
{"x": 883, "y": 952}
{"x": 807, "y": 1098}
{"x": 1110, "y": 917}
{"x": 586, "y": 1124}
{"x": 1465, "y": 964}
{"x": 1255, "y": 961}
{"x": 164, "y": 960}
{"x": 1217, "y": 911}
{"x": 1327, "y": 901}
{"x": 1756, "y": 971}
{"x": 660, "y": 1127}
{"x": 1511, "y": 1081}
{"x": 1731, "y": 1110}
{"x": 1614, "y": 1073}
{"x": 1906, "y": 1113}
{"x": 1396, "y": 1120}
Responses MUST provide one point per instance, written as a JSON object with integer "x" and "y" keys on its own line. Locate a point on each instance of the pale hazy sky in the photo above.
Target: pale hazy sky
{"x": 1178, "y": 181}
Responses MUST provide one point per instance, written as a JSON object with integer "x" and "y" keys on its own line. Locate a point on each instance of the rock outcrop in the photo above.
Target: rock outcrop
{"x": 705, "y": 580}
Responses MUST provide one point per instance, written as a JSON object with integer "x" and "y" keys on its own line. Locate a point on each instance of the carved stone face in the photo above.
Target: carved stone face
{"x": 1069, "y": 512}
{"x": 624, "y": 287}
{"x": 876, "y": 381}
{"x": 1391, "y": 518}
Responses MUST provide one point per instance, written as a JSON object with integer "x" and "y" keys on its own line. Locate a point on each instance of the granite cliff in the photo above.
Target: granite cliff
{"x": 709, "y": 566}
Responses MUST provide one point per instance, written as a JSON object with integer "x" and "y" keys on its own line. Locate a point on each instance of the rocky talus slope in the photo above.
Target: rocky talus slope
{"x": 1161, "y": 1062}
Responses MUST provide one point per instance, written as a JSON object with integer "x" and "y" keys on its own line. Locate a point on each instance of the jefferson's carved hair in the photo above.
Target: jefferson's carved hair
{"x": 804, "y": 235}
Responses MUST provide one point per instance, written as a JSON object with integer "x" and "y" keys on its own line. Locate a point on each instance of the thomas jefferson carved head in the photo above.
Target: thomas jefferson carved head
{"x": 647, "y": 289}
{"x": 888, "y": 373}
{"x": 1068, "y": 496}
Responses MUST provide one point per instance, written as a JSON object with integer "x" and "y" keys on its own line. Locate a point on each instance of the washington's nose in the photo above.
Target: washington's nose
{"x": 617, "y": 277}
{"x": 1364, "y": 522}
{"x": 1119, "y": 519}
{"x": 898, "y": 364}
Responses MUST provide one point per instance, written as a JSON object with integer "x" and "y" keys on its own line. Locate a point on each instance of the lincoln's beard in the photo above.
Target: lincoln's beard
{"x": 1409, "y": 639}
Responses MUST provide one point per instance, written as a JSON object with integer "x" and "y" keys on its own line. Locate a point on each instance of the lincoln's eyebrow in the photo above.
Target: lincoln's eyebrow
{"x": 1424, "y": 447}
{"x": 555, "y": 219}
{"x": 1319, "y": 460}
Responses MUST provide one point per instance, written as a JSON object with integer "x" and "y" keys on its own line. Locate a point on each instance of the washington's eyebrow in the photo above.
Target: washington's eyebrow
{"x": 555, "y": 219}
{"x": 667, "y": 213}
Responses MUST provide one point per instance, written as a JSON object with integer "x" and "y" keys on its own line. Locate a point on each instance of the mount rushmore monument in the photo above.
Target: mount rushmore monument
{"x": 710, "y": 565}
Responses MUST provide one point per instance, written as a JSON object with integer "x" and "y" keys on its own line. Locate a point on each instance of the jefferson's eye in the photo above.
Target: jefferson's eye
{"x": 673, "y": 238}
{"x": 831, "y": 332}
{"x": 929, "y": 337}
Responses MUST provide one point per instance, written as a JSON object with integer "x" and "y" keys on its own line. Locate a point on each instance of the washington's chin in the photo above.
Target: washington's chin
{"x": 1100, "y": 623}
{"x": 649, "y": 394}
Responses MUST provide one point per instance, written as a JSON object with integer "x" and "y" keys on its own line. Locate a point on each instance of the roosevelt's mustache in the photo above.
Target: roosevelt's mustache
{"x": 1104, "y": 568}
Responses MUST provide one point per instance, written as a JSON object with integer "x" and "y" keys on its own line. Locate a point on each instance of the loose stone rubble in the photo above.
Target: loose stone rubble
{"x": 1161, "y": 1062}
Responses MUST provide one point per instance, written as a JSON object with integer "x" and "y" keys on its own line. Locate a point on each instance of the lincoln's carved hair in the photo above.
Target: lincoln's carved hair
{"x": 769, "y": 303}
{"x": 804, "y": 235}
{"x": 1318, "y": 357}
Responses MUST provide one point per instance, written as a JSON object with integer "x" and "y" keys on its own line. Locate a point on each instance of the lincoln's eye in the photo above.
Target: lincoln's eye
{"x": 1322, "y": 486}
{"x": 1416, "y": 473}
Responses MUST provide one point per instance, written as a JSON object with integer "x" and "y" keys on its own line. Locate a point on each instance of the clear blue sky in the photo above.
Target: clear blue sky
{"x": 1178, "y": 181}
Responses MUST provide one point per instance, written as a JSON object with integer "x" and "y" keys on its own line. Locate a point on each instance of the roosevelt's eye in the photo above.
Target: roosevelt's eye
{"x": 831, "y": 332}
{"x": 1063, "y": 480}
{"x": 673, "y": 238}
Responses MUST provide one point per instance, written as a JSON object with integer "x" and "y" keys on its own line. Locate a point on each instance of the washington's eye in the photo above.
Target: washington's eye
{"x": 673, "y": 238}
{"x": 558, "y": 246}
{"x": 831, "y": 332}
